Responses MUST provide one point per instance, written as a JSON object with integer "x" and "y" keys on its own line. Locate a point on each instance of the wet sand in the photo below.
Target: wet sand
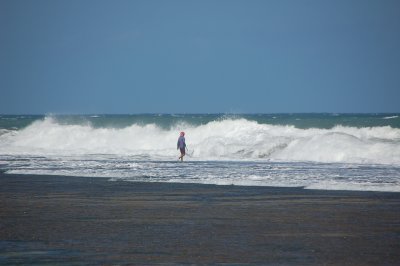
{"x": 78, "y": 220}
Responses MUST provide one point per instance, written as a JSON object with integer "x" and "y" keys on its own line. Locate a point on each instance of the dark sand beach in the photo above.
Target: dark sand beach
{"x": 79, "y": 220}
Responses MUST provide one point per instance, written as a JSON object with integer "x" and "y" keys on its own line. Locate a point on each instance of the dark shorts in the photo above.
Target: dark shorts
{"x": 182, "y": 150}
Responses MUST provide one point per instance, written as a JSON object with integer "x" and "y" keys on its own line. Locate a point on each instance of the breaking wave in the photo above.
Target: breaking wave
{"x": 228, "y": 139}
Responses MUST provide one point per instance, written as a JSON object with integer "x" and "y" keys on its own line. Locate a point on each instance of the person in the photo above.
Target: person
{"x": 181, "y": 145}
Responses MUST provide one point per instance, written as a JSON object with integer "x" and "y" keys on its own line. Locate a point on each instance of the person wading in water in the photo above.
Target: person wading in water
{"x": 181, "y": 145}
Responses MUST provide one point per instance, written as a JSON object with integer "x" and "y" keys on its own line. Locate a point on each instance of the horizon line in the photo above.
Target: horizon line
{"x": 196, "y": 113}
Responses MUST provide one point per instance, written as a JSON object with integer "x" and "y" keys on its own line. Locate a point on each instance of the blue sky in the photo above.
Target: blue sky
{"x": 199, "y": 56}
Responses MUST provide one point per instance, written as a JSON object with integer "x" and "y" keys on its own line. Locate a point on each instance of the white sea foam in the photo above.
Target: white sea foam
{"x": 355, "y": 186}
{"x": 391, "y": 117}
{"x": 223, "y": 152}
{"x": 230, "y": 139}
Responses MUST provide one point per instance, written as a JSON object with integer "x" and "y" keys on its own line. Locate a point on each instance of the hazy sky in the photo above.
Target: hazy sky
{"x": 199, "y": 56}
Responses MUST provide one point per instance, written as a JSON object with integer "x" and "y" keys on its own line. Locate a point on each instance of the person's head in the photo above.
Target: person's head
{"x": 182, "y": 134}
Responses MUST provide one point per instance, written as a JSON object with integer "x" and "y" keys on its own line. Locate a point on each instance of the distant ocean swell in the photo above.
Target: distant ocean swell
{"x": 237, "y": 139}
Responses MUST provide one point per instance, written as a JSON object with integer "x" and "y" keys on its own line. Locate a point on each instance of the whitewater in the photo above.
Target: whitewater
{"x": 316, "y": 151}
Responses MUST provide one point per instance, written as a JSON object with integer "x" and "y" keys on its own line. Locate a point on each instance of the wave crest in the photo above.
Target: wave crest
{"x": 229, "y": 139}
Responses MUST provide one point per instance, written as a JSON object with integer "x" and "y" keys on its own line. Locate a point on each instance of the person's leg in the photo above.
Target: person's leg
{"x": 182, "y": 153}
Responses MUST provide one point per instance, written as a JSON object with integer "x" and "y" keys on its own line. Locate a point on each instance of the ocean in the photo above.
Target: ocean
{"x": 314, "y": 151}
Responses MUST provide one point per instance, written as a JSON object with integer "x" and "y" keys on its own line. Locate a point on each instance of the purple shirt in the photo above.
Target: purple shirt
{"x": 181, "y": 142}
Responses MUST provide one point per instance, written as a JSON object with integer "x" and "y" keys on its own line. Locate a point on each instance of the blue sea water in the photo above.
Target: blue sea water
{"x": 315, "y": 151}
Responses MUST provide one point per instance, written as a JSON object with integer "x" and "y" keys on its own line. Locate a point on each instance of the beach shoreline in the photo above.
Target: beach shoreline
{"x": 84, "y": 220}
